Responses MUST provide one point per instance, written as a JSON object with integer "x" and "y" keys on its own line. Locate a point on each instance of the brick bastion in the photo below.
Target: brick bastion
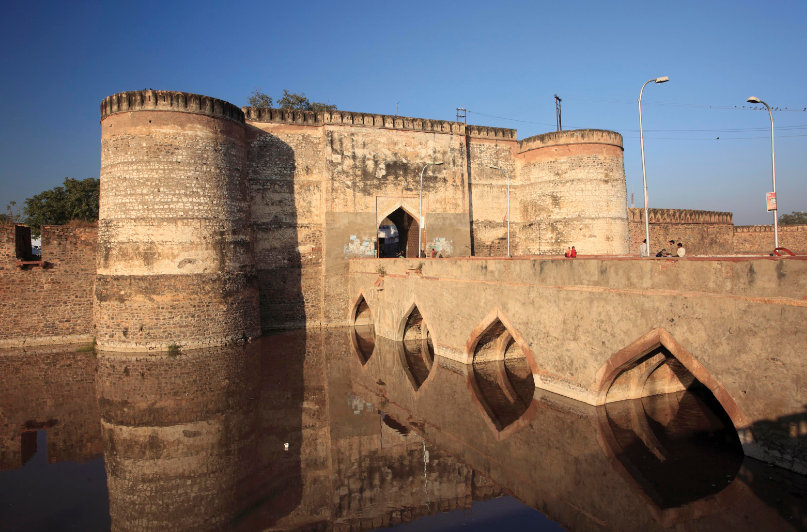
{"x": 600, "y": 329}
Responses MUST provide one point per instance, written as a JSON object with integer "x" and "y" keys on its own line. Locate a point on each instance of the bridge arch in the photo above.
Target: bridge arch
{"x": 648, "y": 354}
{"x": 501, "y": 377}
{"x": 362, "y": 329}
{"x": 415, "y": 347}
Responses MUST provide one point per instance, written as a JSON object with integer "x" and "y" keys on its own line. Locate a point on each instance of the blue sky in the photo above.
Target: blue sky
{"x": 503, "y": 61}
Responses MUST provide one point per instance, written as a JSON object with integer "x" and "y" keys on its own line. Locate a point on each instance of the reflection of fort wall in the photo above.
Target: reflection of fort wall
{"x": 178, "y": 436}
{"x": 52, "y": 389}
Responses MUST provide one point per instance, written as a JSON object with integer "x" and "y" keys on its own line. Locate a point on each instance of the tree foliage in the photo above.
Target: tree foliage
{"x": 11, "y": 216}
{"x": 76, "y": 200}
{"x": 289, "y": 100}
{"x": 260, "y": 100}
{"x": 794, "y": 218}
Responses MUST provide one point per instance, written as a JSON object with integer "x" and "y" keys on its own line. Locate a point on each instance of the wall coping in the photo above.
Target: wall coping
{"x": 768, "y": 228}
{"x": 680, "y": 216}
{"x": 574, "y": 136}
{"x": 158, "y": 100}
{"x": 351, "y": 118}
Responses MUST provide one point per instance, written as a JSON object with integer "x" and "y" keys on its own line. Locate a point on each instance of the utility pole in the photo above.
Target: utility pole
{"x": 557, "y": 112}
{"x": 462, "y": 113}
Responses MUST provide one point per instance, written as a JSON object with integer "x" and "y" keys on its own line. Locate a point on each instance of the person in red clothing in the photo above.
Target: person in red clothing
{"x": 573, "y": 253}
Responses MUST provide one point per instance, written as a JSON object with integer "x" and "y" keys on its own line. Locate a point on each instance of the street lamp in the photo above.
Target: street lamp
{"x": 508, "y": 204}
{"x": 420, "y": 205}
{"x": 754, "y": 99}
{"x": 662, "y": 79}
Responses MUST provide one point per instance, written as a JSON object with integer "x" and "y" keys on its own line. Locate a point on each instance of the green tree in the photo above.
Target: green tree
{"x": 794, "y": 218}
{"x": 260, "y": 100}
{"x": 294, "y": 100}
{"x": 76, "y": 200}
{"x": 11, "y": 216}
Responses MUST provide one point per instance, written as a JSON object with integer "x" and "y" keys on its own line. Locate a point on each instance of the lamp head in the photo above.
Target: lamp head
{"x": 494, "y": 167}
{"x": 662, "y": 79}
{"x": 437, "y": 164}
{"x": 753, "y": 99}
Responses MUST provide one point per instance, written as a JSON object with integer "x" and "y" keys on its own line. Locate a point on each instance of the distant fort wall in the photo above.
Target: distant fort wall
{"x": 46, "y": 299}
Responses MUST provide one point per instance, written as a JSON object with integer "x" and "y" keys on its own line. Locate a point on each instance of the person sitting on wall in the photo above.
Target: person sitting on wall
{"x": 573, "y": 253}
{"x": 568, "y": 253}
{"x": 681, "y": 250}
{"x": 644, "y": 249}
{"x": 662, "y": 253}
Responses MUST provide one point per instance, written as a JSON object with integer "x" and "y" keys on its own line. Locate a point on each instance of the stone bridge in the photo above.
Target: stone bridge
{"x": 600, "y": 330}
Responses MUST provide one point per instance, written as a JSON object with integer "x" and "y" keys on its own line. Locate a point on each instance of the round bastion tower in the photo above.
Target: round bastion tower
{"x": 574, "y": 183}
{"x": 175, "y": 263}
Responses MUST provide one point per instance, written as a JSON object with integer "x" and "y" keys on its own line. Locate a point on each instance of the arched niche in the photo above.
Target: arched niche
{"x": 362, "y": 330}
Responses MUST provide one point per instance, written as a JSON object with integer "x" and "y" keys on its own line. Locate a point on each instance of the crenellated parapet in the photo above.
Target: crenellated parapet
{"x": 350, "y": 118}
{"x": 769, "y": 228}
{"x": 681, "y": 216}
{"x": 564, "y": 138}
{"x": 151, "y": 100}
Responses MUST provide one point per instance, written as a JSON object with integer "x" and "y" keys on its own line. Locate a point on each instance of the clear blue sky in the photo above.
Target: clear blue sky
{"x": 501, "y": 60}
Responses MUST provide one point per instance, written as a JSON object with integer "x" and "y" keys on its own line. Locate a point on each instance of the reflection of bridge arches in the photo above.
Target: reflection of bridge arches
{"x": 655, "y": 364}
{"x": 416, "y": 349}
{"x": 406, "y": 229}
{"x": 362, "y": 330}
{"x": 501, "y": 380}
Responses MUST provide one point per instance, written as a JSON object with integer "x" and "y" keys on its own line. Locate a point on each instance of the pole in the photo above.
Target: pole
{"x": 644, "y": 174}
{"x": 420, "y": 205}
{"x": 508, "y": 212}
{"x": 773, "y": 172}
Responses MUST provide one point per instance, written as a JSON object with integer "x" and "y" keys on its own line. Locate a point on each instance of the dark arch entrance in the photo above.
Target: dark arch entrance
{"x": 406, "y": 230}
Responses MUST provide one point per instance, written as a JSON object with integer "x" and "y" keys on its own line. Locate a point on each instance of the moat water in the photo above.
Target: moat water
{"x": 327, "y": 430}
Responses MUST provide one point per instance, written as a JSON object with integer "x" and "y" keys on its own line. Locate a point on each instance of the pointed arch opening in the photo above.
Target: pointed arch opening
{"x": 668, "y": 422}
{"x": 502, "y": 377}
{"x": 416, "y": 349}
{"x": 362, "y": 331}
{"x": 398, "y": 235}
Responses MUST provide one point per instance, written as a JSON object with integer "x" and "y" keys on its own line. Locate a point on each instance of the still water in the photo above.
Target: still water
{"x": 330, "y": 430}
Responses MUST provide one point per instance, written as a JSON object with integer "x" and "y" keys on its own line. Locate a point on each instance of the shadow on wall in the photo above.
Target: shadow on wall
{"x": 271, "y": 166}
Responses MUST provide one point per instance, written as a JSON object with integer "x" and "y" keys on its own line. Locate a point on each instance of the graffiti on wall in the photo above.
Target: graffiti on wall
{"x": 358, "y": 247}
{"x": 442, "y": 247}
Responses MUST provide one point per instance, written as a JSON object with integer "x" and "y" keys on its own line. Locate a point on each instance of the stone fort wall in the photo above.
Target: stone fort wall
{"x": 242, "y": 220}
{"x": 47, "y": 301}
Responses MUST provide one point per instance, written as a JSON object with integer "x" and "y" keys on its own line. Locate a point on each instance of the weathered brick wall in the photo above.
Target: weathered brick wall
{"x": 573, "y": 193}
{"x": 49, "y": 389}
{"x": 175, "y": 262}
{"x": 758, "y": 239}
{"x": 48, "y": 303}
{"x": 702, "y": 232}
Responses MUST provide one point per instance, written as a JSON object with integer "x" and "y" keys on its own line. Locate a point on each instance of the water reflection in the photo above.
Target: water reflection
{"x": 293, "y": 431}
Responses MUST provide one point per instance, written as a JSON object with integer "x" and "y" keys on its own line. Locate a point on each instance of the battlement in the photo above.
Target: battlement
{"x": 351, "y": 118}
{"x": 769, "y": 228}
{"x": 576, "y": 136}
{"x": 680, "y": 216}
{"x": 183, "y": 102}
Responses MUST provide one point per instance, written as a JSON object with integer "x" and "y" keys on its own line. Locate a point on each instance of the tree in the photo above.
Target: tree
{"x": 76, "y": 200}
{"x": 260, "y": 100}
{"x": 10, "y": 216}
{"x": 794, "y": 218}
{"x": 289, "y": 100}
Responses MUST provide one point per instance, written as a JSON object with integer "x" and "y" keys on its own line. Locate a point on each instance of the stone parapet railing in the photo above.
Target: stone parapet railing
{"x": 577, "y": 136}
{"x": 350, "y": 118}
{"x": 184, "y": 102}
{"x": 680, "y": 216}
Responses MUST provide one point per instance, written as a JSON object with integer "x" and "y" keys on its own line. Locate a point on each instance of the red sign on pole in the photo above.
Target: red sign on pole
{"x": 770, "y": 199}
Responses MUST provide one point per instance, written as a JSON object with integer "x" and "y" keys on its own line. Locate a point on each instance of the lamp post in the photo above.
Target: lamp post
{"x": 420, "y": 205}
{"x": 508, "y": 204}
{"x": 662, "y": 79}
{"x": 754, "y": 99}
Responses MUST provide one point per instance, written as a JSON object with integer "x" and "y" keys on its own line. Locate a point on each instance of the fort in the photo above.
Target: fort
{"x": 218, "y": 224}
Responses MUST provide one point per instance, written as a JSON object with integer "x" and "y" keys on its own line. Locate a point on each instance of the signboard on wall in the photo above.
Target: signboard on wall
{"x": 770, "y": 199}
